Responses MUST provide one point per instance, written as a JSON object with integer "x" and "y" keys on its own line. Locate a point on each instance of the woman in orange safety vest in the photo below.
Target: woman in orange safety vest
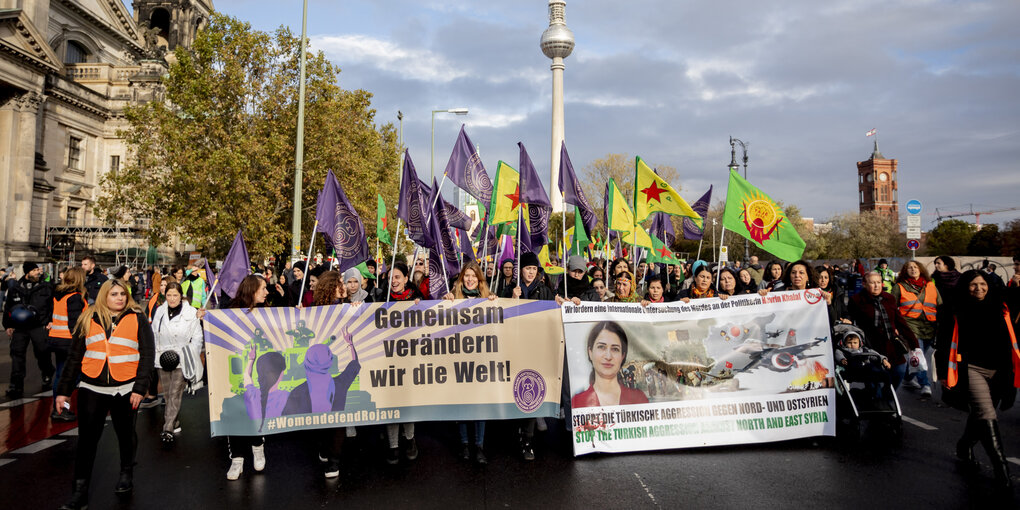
{"x": 68, "y": 304}
{"x": 982, "y": 364}
{"x": 917, "y": 300}
{"x": 112, "y": 351}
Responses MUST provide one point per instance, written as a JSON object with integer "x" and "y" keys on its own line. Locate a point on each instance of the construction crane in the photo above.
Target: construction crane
{"x": 975, "y": 214}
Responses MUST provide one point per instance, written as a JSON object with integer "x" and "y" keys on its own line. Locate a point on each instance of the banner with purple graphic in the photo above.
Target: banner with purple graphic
{"x": 747, "y": 369}
{"x": 275, "y": 370}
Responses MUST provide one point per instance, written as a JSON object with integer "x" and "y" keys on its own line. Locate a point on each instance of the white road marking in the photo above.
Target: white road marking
{"x": 72, "y": 432}
{"x": 1014, "y": 460}
{"x": 920, "y": 424}
{"x": 44, "y": 394}
{"x": 647, "y": 489}
{"x": 18, "y": 402}
{"x": 4, "y": 462}
{"x": 38, "y": 446}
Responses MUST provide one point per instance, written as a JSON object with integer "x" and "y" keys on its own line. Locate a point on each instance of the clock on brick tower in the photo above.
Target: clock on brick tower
{"x": 876, "y": 182}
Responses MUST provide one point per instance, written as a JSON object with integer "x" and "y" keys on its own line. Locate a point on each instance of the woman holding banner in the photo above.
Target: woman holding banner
{"x": 607, "y": 352}
{"x": 701, "y": 288}
{"x": 623, "y": 283}
{"x": 470, "y": 284}
{"x": 251, "y": 293}
{"x": 400, "y": 290}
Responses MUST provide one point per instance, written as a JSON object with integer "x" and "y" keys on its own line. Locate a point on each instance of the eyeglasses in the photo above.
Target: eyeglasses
{"x": 419, "y": 263}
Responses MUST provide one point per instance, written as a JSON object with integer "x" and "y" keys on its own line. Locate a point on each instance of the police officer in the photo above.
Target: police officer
{"x": 27, "y": 311}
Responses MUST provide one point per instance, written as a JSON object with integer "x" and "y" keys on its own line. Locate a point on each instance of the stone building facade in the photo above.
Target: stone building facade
{"x": 68, "y": 68}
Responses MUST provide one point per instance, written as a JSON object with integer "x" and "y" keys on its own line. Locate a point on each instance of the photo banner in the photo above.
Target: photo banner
{"x": 275, "y": 370}
{"x": 747, "y": 369}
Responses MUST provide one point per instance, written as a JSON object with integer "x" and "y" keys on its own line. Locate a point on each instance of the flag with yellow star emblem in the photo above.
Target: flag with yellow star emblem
{"x": 547, "y": 265}
{"x": 652, "y": 194}
{"x": 506, "y": 195}
{"x": 754, "y": 215}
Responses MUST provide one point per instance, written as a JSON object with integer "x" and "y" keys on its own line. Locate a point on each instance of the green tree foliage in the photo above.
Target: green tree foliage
{"x": 1011, "y": 238}
{"x": 986, "y": 242}
{"x": 950, "y": 237}
{"x": 864, "y": 235}
{"x": 218, "y": 154}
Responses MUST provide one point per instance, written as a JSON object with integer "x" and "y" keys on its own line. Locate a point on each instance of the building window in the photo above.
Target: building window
{"x": 883, "y": 194}
{"x": 114, "y": 164}
{"x": 74, "y": 148}
{"x": 72, "y": 215}
{"x": 75, "y": 53}
{"x": 862, "y": 196}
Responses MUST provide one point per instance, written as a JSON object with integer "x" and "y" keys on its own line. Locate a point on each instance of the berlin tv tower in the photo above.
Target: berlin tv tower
{"x": 557, "y": 43}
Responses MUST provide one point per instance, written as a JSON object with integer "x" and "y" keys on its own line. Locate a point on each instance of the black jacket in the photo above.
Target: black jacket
{"x": 93, "y": 281}
{"x": 580, "y": 289}
{"x": 146, "y": 361}
{"x": 37, "y": 296}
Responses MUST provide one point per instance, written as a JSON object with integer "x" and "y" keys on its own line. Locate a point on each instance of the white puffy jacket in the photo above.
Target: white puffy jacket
{"x": 183, "y": 335}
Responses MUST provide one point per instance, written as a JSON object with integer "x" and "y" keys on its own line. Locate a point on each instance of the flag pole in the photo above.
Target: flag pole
{"x": 718, "y": 270}
{"x": 563, "y": 231}
{"x": 211, "y": 291}
{"x": 495, "y": 260}
{"x": 308, "y": 262}
{"x": 520, "y": 216}
{"x": 393, "y": 260}
{"x": 701, "y": 242}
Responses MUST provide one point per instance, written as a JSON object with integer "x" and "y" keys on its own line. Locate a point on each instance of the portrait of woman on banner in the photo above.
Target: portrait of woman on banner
{"x": 607, "y": 352}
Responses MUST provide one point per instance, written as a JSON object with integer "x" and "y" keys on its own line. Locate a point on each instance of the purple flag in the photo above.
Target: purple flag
{"x": 209, "y": 275}
{"x": 411, "y": 207}
{"x": 662, "y": 228}
{"x": 442, "y": 234}
{"x": 539, "y": 207}
{"x": 456, "y": 217}
{"x": 466, "y": 170}
{"x": 691, "y": 230}
{"x": 465, "y": 245}
{"x": 438, "y": 286}
{"x": 236, "y": 266}
{"x": 490, "y": 238}
{"x": 340, "y": 224}
{"x": 507, "y": 252}
{"x": 572, "y": 193}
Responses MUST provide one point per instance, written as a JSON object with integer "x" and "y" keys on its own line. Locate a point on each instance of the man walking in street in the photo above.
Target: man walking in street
{"x": 28, "y": 309}
{"x": 94, "y": 278}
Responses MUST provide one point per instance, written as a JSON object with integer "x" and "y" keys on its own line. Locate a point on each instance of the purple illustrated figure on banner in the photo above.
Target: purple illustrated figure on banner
{"x": 322, "y": 392}
{"x": 266, "y": 400}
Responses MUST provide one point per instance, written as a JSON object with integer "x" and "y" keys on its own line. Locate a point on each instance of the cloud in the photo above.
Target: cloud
{"x": 387, "y": 56}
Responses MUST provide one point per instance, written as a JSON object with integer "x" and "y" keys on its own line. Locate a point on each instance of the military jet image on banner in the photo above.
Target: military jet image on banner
{"x": 754, "y": 353}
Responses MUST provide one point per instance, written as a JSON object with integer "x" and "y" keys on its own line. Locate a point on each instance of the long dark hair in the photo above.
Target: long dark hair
{"x": 966, "y": 304}
{"x": 269, "y": 366}
{"x": 246, "y": 292}
{"x": 812, "y": 282}
{"x": 612, "y": 327}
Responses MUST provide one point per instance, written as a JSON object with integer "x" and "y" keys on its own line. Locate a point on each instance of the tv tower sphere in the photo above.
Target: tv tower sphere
{"x": 557, "y": 40}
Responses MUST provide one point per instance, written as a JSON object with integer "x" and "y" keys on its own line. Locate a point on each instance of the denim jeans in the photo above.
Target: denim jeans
{"x": 921, "y": 375}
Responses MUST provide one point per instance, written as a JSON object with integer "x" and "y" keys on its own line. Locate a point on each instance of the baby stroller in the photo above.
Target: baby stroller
{"x": 864, "y": 393}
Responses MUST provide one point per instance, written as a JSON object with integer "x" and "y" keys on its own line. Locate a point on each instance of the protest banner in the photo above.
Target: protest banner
{"x": 747, "y": 369}
{"x": 275, "y": 370}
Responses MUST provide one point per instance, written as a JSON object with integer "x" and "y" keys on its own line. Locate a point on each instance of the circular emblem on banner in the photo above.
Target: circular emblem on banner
{"x": 812, "y": 296}
{"x": 346, "y": 234}
{"x": 529, "y": 390}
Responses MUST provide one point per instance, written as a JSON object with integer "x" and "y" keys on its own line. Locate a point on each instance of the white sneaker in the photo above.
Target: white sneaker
{"x": 236, "y": 467}
{"x": 912, "y": 384}
{"x": 258, "y": 454}
{"x": 926, "y": 391}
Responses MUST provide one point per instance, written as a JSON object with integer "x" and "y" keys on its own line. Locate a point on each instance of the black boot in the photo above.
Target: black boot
{"x": 79, "y": 496}
{"x": 965, "y": 446}
{"x": 126, "y": 481}
{"x": 993, "y": 445}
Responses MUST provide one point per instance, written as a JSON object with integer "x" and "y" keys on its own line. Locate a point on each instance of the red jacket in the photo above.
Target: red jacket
{"x": 588, "y": 397}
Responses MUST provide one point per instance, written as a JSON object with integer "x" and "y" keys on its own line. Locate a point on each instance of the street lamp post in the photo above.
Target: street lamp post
{"x": 735, "y": 166}
{"x": 299, "y": 156}
{"x": 432, "y": 164}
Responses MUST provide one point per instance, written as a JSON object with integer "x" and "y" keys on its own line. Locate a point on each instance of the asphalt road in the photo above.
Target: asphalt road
{"x": 36, "y": 460}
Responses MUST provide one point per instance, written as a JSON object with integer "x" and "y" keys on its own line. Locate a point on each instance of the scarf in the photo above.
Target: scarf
{"x": 402, "y": 296}
{"x": 917, "y": 282}
{"x": 469, "y": 293}
{"x": 697, "y": 294}
{"x": 318, "y": 360}
{"x": 882, "y": 322}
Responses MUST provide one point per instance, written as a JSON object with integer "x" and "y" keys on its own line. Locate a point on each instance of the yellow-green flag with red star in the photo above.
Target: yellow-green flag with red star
{"x": 652, "y": 194}
{"x": 754, "y": 215}
{"x": 506, "y": 195}
{"x": 660, "y": 253}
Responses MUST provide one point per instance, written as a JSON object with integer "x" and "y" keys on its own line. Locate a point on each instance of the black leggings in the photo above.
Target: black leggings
{"x": 92, "y": 410}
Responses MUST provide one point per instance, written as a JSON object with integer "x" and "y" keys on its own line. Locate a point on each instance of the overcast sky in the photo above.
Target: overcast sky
{"x": 801, "y": 81}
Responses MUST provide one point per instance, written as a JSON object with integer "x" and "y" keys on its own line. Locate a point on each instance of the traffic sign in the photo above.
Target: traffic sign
{"x": 914, "y": 207}
{"x": 913, "y": 232}
{"x": 724, "y": 255}
{"x": 913, "y": 244}
{"x": 913, "y": 220}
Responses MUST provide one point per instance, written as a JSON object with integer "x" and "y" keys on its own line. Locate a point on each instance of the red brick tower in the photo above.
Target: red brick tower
{"x": 876, "y": 181}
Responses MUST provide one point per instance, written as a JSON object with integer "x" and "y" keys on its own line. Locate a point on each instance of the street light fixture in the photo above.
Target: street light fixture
{"x": 734, "y": 166}
{"x": 432, "y": 164}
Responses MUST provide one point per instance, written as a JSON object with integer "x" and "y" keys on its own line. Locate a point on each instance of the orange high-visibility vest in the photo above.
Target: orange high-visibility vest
{"x": 954, "y": 356}
{"x": 911, "y": 307}
{"x": 60, "y": 328}
{"x": 120, "y": 350}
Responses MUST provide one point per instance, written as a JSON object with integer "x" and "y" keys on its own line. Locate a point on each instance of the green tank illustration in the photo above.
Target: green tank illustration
{"x": 293, "y": 356}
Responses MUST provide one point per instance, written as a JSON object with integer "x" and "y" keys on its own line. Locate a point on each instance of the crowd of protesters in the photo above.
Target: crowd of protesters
{"x": 127, "y": 340}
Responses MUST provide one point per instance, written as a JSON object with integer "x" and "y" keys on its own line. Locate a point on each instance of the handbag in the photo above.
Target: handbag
{"x": 900, "y": 345}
